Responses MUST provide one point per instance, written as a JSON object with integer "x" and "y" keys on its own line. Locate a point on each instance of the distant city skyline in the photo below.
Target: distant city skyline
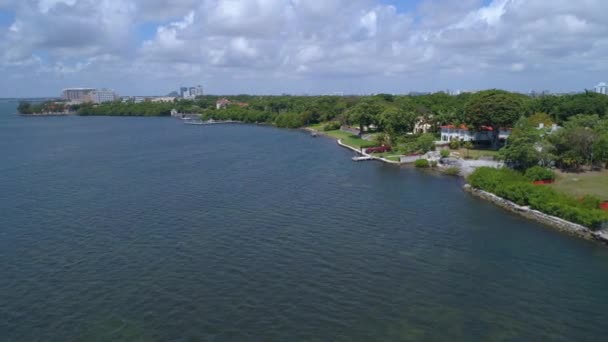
{"x": 151, "y": 47}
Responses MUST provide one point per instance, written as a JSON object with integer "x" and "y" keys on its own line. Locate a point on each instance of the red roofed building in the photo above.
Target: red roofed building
{"x": 222, "y": 103}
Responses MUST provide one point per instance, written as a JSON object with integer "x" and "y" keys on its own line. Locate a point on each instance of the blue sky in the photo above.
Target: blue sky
{"x": 6, "y": 18}
{"x": 296, "y": 46}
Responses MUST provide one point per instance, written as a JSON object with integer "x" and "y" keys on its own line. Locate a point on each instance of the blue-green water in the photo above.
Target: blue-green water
{"x": 146, "y": 229}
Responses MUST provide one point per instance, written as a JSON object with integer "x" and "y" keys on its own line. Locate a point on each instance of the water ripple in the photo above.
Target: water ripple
{"x": 143, "y": 229}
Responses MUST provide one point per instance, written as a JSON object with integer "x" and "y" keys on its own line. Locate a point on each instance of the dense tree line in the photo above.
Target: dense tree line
{"x": 127, "y": 109}
{"x": 582, "y": 142}
{"x": 44, "y": 107}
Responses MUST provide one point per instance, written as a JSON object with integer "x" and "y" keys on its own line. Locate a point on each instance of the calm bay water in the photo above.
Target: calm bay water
{"x": 147, "y": 229}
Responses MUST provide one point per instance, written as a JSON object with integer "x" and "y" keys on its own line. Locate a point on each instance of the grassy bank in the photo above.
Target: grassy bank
{"x": 347, "y": 138}
{"x": 583, "y": 183}
{"x": 515, "y": 187}
{"x": 476, "y": 153}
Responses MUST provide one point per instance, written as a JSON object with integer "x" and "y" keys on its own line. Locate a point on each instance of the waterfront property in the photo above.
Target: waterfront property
{"x": 88, "y": 95}
{"x": 76, "y": 94}
{"x": 163, "y": 99}
{"x": 464, "y": 133}
{"x": 223, "y": 103}
{"x": 602, "y": 88}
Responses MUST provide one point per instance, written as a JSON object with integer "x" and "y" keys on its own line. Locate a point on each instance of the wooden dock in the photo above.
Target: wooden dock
{"x": 208, "y": 122}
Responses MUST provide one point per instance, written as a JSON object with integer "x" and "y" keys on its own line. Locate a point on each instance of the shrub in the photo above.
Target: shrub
{"x": 290, "y": 120}
{"x": 433, "y": 163}
{"x": 591, "y": 202}
{"x": 452, "y": 171}
{"x": 537, "y": 173}
{"x": 489, "y": 179}
{"x": 425, "y": 142}
{"x": 444, "y": 153}
{"x": 454, "y": 144}
{"x": 422, "y": 163}
{"x": 331, "y": 126}
{"x": 516, "y": 187}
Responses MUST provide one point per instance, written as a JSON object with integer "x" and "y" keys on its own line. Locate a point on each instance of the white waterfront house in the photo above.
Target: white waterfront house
{"x": 602, "y": 88}
{"x": 463, "y": 133}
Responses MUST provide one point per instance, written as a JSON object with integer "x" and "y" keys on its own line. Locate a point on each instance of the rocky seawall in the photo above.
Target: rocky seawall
{"x": 535, "y": 215}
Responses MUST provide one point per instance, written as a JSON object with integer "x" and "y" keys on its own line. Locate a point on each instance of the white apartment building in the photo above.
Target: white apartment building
{"x": 80, "y": 95}
{"x": 76, "y": 94}
{"x": 103, "y": 95}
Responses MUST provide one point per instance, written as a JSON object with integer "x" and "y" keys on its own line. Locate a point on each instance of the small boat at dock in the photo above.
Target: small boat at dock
{"x": 362, "y": 158}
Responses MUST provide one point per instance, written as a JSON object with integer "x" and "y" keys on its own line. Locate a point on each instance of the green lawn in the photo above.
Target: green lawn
{"x": 317, "y": 127}
{"x": 349, "y": 139}
{"x": 388, "y": 155}
{"x": 476, "y": 153}
{"x": 584, "y": 183}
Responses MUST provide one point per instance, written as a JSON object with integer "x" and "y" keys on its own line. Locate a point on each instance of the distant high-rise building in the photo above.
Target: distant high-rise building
{"x": 602, "y": 88}
{"x": 184, "y": 92}
{"x": 77, "y": 94}
{"x": 191, "y": 92}
{"x": 199, "y": 90}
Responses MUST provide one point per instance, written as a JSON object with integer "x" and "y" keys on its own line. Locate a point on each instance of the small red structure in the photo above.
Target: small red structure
{"x": 544, "y": 181}
{"x": 604, "y": 206}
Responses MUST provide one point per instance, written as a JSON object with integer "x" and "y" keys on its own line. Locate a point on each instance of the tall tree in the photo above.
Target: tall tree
{"x": 526, "y": 147}
{"x": 365, "y": 113}
{"x": 396, "y": 121}
{"x": 495, "y": 109}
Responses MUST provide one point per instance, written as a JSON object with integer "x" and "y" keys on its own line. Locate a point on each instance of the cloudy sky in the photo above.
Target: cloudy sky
{"x": 151, "y": 47}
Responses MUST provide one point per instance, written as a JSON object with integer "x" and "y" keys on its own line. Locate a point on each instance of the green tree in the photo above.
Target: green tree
{"x": 425, "y": 142}
{"x": 365, "y": 113}
{"x": 382, "y": 140}
{"x": 24, "y": 107}
{"x": 397, "y": 122}
{"x": 495, "y": 109}
{"x": 522, "y": 150}
{"x": 574, "y": 146}
{"x": 539, "y": 117}
{"x": 600, "y": 150}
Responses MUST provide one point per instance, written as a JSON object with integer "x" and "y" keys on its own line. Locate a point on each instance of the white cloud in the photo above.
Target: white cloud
{"x": 368, "y": 22}
{"x": 46, "y": 5}
{"x": 462, "y": 43}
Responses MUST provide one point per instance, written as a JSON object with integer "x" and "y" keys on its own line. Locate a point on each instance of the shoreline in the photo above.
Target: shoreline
{"x": 50, "y": 114}
{"x": 547, "y": 220}
{"x": 354, "y": 149}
